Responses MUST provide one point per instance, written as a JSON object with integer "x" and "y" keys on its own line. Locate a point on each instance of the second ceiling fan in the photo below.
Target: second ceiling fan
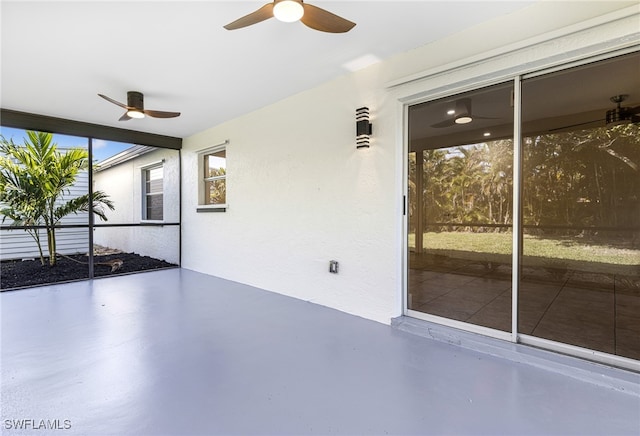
{"x": 460, "y": 115}
{"x": 294, "y": 10}
{"x": 135, "y": 107}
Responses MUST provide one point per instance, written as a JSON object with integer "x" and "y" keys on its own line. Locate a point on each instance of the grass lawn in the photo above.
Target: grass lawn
{"x": 561, "y": 250}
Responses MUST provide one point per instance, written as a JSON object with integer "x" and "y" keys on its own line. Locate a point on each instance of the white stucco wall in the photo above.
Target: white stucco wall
{"x": 300, "y": 194}
{"x": 123, "y": 184}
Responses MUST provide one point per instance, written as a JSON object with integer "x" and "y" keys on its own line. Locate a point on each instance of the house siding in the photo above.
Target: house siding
{"x": 18, "y": 244}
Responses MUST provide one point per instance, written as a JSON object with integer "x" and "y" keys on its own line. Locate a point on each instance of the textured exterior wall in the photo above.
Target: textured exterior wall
{"x": 299, "y": 194}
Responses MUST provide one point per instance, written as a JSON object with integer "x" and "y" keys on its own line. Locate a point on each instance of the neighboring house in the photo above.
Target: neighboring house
{"x": 18, "y": 244}
{"x": 144, "y": 185}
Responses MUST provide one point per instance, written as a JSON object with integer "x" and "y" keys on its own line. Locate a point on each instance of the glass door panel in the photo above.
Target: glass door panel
{"x": 460, "y": 207}
{"x": 580, "y": 281}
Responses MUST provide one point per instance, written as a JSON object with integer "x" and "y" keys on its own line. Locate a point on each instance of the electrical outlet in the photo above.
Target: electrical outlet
{"x": 333, "y": 266}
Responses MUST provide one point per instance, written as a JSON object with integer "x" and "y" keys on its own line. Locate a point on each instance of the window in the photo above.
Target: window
{"x": 214, "y": 166}
{"x": 152, "y": 206}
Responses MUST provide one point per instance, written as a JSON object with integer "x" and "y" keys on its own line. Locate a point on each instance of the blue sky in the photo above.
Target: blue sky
{"x": 101, "y": 149}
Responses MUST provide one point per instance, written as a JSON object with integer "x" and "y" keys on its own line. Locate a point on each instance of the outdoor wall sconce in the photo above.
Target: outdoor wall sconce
{"x": 363, "y": 127}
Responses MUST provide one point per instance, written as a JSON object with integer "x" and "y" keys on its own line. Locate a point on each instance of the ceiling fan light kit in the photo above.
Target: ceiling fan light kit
{"x": 295, "y": 10}
{"x": 135, "y": 100}
{"x": 463, "y": 111}
{"x": 288, "y": 11}
{"x": 460, "y": 115}
{"x": 621, "y": 115}
{"x": 463, "y": 119}
{"x": 133, "y": 113}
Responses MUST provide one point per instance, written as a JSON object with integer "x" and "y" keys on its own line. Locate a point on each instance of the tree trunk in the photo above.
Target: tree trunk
{"x": 37, "y": 238}
{"x": 51, "y": 241}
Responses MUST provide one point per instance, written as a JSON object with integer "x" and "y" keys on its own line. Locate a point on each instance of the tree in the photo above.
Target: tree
{"x": 216, "y": 189}
{"x": 583, "y": 178}
{"x": 34, "y": 179}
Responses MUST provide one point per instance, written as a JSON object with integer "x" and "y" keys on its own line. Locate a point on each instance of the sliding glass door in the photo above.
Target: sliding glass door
{"x": 578, "y": 270}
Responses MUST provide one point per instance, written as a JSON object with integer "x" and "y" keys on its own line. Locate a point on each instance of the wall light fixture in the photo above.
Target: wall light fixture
{"x": 363, "y": 127}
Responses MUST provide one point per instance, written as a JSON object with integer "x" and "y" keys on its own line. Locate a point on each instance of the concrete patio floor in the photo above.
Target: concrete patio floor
{"x": 175, "y": 352}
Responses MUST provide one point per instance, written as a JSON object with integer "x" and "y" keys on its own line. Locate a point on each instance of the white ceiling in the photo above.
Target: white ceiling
{"x": 57, "y": 56}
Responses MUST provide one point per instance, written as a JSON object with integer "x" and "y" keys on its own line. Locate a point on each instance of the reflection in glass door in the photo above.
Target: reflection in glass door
{"x": 580, "y": 282}
{"x": 578, "y": 270}
{"x": 460, "y": 207}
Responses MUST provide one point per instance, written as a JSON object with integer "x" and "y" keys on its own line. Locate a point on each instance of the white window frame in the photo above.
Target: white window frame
{"x": 143, "y": 176}
{"x": 202, "y": 206}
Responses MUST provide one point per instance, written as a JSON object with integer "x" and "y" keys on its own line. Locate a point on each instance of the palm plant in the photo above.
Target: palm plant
{"x": 34, "y": 179}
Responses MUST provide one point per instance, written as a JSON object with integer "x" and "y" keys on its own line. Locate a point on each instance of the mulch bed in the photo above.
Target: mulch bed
{"x": 24, "y": 273}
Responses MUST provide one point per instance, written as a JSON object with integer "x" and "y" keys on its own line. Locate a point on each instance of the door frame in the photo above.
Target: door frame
{"x": 416, "y": 94}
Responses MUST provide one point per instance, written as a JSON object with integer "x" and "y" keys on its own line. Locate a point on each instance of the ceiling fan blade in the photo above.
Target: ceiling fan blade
{"x": 576, "y": 125}
{"x": 445, "y": 123}
{"x": 122, "y": 105}
{"x": 161, "y": 114}
{"x": 261, "y": 14}
{"x": 319, "y": 19}
{"x": 124, "y": 117}
{"x": 476, "y": 117}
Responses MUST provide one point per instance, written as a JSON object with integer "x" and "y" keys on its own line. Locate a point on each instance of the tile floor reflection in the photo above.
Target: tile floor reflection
{"x": 595, "y": 311}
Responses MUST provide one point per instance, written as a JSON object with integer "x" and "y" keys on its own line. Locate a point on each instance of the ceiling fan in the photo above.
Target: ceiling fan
{"x": 622, "y": 115}
{"x": 294, "y": 10}
{"x": 460, "y": 115}
{"x": 613, "y": 117}
{"x": 135, "y": 107}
